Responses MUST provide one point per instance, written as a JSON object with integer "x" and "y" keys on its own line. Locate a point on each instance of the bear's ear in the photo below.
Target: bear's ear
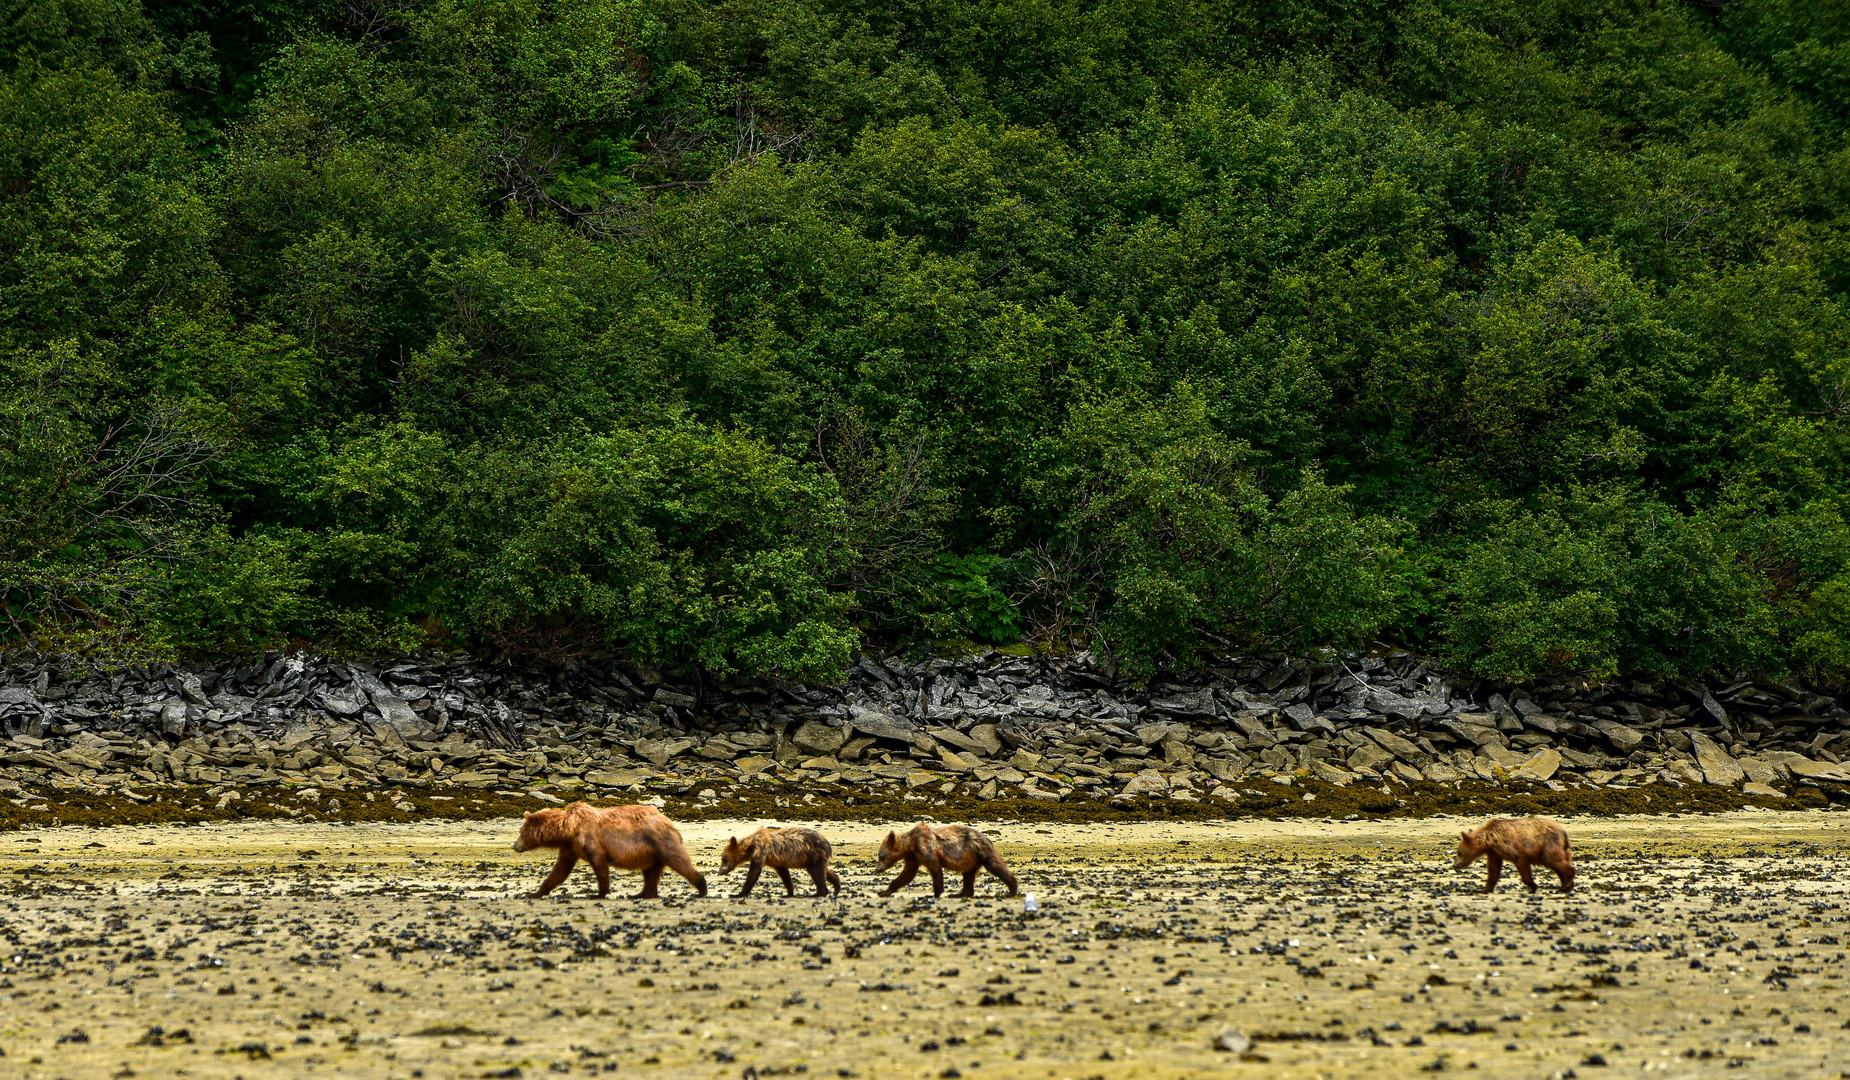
{"x": 1465, "y": 835}
{"x": 892, "y": 837}
{"x": 527, "y": 815}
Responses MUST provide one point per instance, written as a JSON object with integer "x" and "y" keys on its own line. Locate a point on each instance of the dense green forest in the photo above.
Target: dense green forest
{"x": 747, "y": 332}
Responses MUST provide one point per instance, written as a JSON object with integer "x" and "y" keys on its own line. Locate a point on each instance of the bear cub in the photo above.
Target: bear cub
{"x": 957, "y": 848}
{"x": 1531, "y": 841}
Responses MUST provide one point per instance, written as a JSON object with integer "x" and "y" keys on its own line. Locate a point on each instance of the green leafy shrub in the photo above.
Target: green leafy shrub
{"x": 1607, "y": 582}
{"x": 684, "y": 544}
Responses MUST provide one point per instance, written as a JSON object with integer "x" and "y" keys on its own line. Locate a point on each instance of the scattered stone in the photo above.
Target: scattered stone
{"x": 1232, "y": 1042}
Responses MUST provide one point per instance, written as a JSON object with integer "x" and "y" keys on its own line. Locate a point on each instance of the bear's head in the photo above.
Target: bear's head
{"x": 732, "y": 856}
{"x": 1469, "y": 848}
{"x": 892, "y": 849}
{"x": 541, "y": 829}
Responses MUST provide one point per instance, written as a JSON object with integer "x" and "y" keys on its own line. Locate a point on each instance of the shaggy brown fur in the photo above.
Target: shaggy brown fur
{"x": 783, "y": 850}
{"x": 957, "y": 848}
{"x": 626, "y": 837}
{"x": 1532, "y": 841}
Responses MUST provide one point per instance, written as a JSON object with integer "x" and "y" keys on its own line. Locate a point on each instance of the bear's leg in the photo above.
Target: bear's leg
{"x": 1496, "y": 871}
{"x": 937, "y": 879}
{"x": 819, "y": 875}
{"x": 790, "y": 885}
{"x": 1522, "y": 871}
{"x": 1000, "y": 869}
{"x": 1565, "y": 871}
{"x": 969, "y": 884}
{"x": 567, "y": 859}
{"x": 905, "y": 876}
{"x": 600, "y": 865}
{"x": 751, "y": 877}
{"x": 651, "y": 882}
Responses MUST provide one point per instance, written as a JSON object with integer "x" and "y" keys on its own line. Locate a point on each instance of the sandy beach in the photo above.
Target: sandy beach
{"x": 1307, "y": 948}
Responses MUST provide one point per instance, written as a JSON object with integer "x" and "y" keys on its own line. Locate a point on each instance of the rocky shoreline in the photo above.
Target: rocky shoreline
{"x": 989, "y": 727}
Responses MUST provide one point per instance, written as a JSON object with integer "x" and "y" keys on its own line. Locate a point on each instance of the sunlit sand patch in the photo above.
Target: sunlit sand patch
{"x": 1309, "y": 948}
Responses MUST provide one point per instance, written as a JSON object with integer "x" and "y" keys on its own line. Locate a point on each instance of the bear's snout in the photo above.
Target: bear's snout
{"x": 518, "y": 846}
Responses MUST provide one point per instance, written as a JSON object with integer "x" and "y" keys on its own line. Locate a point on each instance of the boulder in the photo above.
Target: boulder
{"x": 883, "y": 726}
{"x": 1623, "y": 739}
{"x": 616, "y": 777}
{"x": 1475, "y": 733}
{"x": 1219, "y": 768}
{"x": 1398, "y": 746}
{"x": 1717, "y": 767}
{"x": 1505, "y": 757}
{"x": 1820, "y": 770}
{"x": 1539, "y": 768}
{"x": 1754, "y": 787}
{"x": 1392, "y": 704}
{"x": 1759, "y": 772}
{"x": 396, "y": 713}
{"x": 1304, "y": 718}
{"x": 820, "y": 740}
{"x": 1332, "y": 774}
{"x": 1152, "y": 734}
{"x": 1254, "y": 730}
{"x": 958, "y": 762}
{"x": 665, "y": 696}
{"x": 1178, "y": 753}
{"x": 1199, "y": 704}
{"x": 1148, "y": 782}
{"x": 1369, "y": 757}
{"x": 658, "y": 751}
{"x": 339, "y": 704}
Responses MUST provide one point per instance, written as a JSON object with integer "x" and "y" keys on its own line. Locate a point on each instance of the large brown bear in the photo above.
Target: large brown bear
{"x": 957, "y": 848}
{"x": 1527, "y": 842}
{"x": 783, "y": 850}
{"x": 626, "y": 837}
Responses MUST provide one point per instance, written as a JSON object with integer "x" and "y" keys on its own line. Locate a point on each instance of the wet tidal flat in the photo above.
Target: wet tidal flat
{"x": 1693, "y": 946}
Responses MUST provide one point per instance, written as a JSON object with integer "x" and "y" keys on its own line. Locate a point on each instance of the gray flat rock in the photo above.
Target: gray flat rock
{"x": 1717, "y": 767}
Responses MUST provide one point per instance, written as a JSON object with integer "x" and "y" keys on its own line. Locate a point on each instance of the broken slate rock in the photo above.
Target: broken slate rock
{"x": 1539, "y": 768}
{"x": 1717, "y": 767}
{"x": 820, "y": 740}
{"x": 1623, "y": 739}
{"x": 883, "y": 726}
{"x": 1383, "y": 701}
{"x": 669, "y": 697}
{"x": 1198, "y": 704}
{"x": 658, "y": 751}
{"x": 1148, "y": 782}
{"x": 1304, "y": 718}
{"x": 340, "y": 704}
{"x": 1397, "y": 746}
